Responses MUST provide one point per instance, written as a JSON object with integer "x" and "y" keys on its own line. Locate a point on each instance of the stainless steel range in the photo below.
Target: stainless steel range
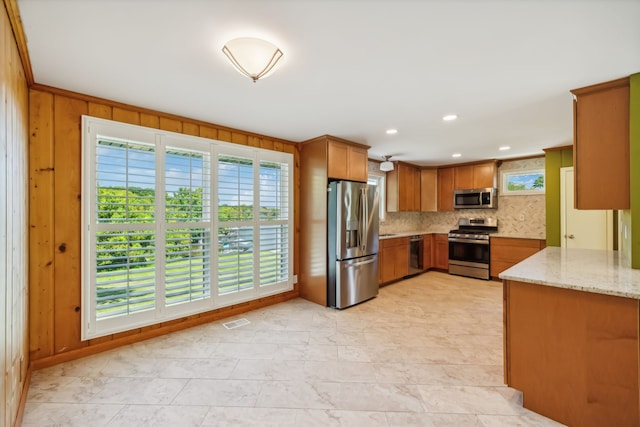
{"x": 469, "y": 252}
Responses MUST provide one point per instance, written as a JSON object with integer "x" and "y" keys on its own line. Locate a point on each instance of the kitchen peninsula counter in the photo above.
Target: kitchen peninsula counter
{"x": 571, "y": 319}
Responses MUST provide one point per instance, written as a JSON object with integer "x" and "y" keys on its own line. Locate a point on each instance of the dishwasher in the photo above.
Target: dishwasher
{"x": 416, "y": 248}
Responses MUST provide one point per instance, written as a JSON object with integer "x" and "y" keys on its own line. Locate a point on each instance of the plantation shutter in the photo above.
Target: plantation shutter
{"x": 235, "y": 219}
{"x": 174, "y": 225}
{"x": 125, "y": 228}
{"x": 274, "y": 222}
{"x": 187, "y": 249}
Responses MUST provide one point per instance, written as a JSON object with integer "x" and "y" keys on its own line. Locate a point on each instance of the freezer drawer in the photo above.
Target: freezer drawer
{"x": 356, "y": 281}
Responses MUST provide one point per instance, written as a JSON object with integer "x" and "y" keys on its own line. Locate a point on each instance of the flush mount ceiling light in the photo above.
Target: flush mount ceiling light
{"x": 391, "y": 132}
{"x": 456, "y": 155}
{"x": 386, "y": 166}
{"x": 504, "y": 148}
{"x": 450, "y": 117}
{"x": 255, "y": 58}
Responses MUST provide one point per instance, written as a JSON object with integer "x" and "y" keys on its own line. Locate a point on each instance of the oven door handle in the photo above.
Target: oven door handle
{"x": 481, "y": 242}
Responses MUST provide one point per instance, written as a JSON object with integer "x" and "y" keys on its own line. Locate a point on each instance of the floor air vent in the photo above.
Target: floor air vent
{"x": 236, "y": 323}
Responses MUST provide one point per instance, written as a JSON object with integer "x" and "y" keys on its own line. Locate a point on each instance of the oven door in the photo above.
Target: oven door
{"x": 469, "y": 251}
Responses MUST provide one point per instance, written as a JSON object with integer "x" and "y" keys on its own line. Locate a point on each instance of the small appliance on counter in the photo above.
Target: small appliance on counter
{"x": 469, "y": 249}
{"x": 352, "y": 243}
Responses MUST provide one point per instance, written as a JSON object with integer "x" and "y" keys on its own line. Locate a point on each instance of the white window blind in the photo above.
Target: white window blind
{"x": 125, "y": 229}
{"x": 164, "y": 225}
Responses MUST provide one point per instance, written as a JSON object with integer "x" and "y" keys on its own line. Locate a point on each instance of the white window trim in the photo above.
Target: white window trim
{"x": 504, "y": 179}
{"x": 91, "y": 128}
{"x": 381, "y": 179}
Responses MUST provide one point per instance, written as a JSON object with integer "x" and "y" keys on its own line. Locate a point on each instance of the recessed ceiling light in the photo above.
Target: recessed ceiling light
{"x": 456, "y": 155}
{"x": 504, "y": 148}
{"x": 450, "y": 117}
{"x": 392, "y": 131}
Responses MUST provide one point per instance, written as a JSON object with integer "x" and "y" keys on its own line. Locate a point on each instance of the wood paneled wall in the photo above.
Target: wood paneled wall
{"x": 14, "y": 358}
{"x": 55, "y": 184}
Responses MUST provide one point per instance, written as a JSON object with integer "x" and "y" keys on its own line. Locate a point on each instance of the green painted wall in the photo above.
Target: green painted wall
{"x": 553, "y": 161}
{"x": 634, "y": 158}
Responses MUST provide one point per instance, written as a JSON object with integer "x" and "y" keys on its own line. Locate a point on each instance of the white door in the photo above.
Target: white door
{"x": 586, "y": 229}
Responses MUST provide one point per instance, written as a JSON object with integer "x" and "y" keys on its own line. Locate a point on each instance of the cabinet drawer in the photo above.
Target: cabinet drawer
{"x": 397, "y": 241}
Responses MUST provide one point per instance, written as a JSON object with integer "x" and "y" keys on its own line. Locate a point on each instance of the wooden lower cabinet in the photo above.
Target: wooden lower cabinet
{"x": 573, "y": 354}
{"x": 507, "y": 252}
{"x": 427, "y": 251}
{"x": 441, "y": 251}
{"x": 393, "y": 259}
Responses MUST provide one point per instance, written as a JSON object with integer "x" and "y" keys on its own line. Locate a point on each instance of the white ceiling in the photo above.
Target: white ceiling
{"x": 351, "y": 68}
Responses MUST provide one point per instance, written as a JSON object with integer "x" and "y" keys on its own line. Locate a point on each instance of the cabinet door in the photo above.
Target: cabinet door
{"x": 337, "y": 164}
{"x": 401, "y": 261}
{"x": 441, "y": 251}
{"x": 445, "y": 189}
{"x": 507, "y": 252}
{"x": 405, "y": 186}
{"x": 415, "y": 205}
{"x": 387, "y": 265}
{"x": 601, "y": 146}
{"x": 463, "y": 177}
{"x": 428, "y": 190}
{"x": 484, "y": 175}
{"x": 427, "y": 253}
{"x": 357, "y": 164}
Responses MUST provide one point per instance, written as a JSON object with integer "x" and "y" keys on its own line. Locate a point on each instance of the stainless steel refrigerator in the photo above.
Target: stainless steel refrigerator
{"x": 352, "y": 271}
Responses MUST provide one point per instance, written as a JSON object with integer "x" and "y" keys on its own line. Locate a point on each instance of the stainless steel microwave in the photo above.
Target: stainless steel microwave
{"x": 477, "y": 198}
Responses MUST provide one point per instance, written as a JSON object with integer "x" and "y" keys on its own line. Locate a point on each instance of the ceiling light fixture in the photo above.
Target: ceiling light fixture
{"x": 391, "y": 131}
{"x": 504, "y": 148}
{"x": 386, "y": 166}
{"x": 255, "y": 58}
{"x": 450, "y": 117}
{"x": 456, "y": 155}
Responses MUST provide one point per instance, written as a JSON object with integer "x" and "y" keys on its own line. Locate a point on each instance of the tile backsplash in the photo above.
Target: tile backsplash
{"x": 520, "y": 216}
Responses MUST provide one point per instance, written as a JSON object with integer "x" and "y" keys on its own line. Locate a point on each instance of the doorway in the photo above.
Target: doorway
{"x": 585, "y": 229}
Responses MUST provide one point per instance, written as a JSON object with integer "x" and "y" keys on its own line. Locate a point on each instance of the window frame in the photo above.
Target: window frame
{"x": 92, "y": 128}
{"x": 507, "y": 174}
{"x": 381, "y": 183}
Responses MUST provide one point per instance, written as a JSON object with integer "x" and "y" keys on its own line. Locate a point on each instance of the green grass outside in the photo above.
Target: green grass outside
{"x": 142, "y": 298}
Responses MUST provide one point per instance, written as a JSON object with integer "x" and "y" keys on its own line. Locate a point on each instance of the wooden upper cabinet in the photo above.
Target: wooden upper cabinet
{"x": 601, "y": 145}
{"x": 403, "y": 188}
{"x": 346, "y": 161}
{"x": 445, "y": 189}
{"x": 429, "y": 190}
{"x": 463, "y": 177}
{"x": 479, "y": 175}
{"x": 485, "y": 175}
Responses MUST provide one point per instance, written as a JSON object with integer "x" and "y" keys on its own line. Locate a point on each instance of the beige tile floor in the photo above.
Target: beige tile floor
{"x": 426, "y": 352}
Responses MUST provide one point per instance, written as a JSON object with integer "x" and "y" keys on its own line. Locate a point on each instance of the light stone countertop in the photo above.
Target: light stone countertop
{"x": 518, "y": 236}
{"x": 395, "y": 235}
{"x": 597, "y": 271}
{"x": 392, "y": 235}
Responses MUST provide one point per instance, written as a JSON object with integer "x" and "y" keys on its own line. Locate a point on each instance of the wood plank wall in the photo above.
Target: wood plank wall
{"x": 14, "y": 358}
{"x": 55, "y": 184}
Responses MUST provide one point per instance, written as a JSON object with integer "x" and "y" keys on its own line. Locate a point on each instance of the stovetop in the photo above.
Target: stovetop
{"x": 475, "y": 228}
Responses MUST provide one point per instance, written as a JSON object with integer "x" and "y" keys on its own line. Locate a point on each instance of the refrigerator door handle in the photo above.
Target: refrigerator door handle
{"x": 363, "y": 219}
{"x": 357, "y": 264}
